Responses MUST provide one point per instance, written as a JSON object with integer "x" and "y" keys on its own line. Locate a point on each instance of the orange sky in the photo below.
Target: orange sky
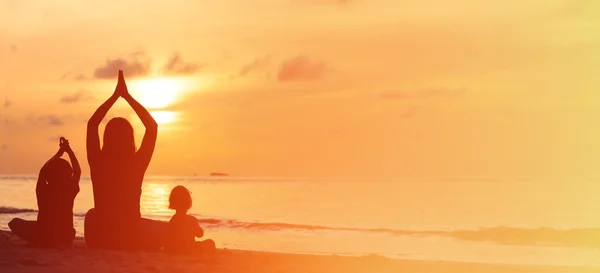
{"x": 312, "y": 87}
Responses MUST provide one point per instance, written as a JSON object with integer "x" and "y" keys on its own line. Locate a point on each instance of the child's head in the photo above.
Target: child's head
{"x": 58, "y": 171}
{"x": 180, "y": 199}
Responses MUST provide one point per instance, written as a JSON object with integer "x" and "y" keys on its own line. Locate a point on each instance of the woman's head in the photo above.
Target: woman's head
{"x": 180, "y": 199}
{"x": 119, "y": 138}
{"x": 58, "y": 171}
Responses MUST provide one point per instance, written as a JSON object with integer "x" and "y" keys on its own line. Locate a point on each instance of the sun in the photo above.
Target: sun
{"x": 164, "y": 117}
{"x": 157, "y": 93}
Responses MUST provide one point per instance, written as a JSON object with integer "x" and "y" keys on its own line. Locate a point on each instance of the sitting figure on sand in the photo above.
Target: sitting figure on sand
{"x": 56, "y": 189}
{"x": 183, "y": 228}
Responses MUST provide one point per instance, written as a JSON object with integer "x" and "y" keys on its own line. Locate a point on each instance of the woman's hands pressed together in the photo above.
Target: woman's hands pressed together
{"x": 121, "y": 89}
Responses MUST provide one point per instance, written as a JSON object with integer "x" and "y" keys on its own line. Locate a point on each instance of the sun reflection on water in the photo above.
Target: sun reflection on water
{"x": 155, "y": 199}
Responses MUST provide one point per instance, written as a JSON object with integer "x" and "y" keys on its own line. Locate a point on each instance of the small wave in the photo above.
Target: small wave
{"x": 288, "y": 226}
{"x": 79, "y": 214}
{"x": 11, "y": 210}
{"x": 17, "y": 178}
{"x": 581, "y": 238}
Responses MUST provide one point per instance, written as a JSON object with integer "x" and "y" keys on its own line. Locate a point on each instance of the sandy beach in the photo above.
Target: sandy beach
{"x": 15, "y": 256}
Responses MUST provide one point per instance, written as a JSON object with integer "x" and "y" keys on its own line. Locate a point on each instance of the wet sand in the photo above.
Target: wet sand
{"x": 16, "y": 256}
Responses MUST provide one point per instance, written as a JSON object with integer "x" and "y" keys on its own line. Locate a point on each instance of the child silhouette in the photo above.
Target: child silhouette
{"x": 182, "y": 228}
{"x": 56, "y": 189}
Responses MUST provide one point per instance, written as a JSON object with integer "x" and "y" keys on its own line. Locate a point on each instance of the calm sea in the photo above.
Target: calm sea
{"x": 518, "y": 221}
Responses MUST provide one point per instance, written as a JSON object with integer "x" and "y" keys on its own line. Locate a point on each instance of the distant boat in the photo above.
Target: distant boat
{"x": 218, "y": 174}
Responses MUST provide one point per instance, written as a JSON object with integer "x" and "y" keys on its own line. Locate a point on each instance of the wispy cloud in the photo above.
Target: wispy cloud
{"x": 327, "y": 2}
{"x": 177, "y": 66}
{"x": 256, "y": 64}
{"x": 410, "y": 112}
{"x": 51, "y": 120}
{"x": 579, "y": 8}
{"x": 79, "y": 96}
{"x": 7, "y": 102}
{"x": 135, "y": 66}
{"x": 423, "y": 94}
{"x": 78, "y": 76}
{"x": 301, "y": 68}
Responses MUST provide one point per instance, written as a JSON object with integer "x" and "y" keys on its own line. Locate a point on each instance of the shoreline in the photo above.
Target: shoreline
{"x": 16, "y": 256}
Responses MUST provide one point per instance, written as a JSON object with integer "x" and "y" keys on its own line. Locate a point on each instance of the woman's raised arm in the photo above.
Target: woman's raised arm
{"x": 144, "y": 154}
{"x": 92, "y": 137}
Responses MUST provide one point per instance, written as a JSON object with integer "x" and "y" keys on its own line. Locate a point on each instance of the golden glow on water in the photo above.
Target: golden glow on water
{"x": 155, "y": 198}
{"x": 158, "y": 93}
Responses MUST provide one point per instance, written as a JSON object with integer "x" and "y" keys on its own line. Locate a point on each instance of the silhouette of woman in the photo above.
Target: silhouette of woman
{"x": 117, "y": 172}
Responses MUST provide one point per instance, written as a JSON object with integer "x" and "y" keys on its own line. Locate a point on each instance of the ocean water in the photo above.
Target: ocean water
{"x": 508, "y": 221}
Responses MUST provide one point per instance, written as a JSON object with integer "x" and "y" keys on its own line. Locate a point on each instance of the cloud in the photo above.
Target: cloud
{"x": 206, "y": 126}
{"x": 51, "y": 120}
{"x": 257, "y": 64}
{"x": 80, "y": 96}
{"x": 579, "y": 9}
{"x": 328, "y": 2}
{"x": 423, "y": 94}
{"x": 74, "y": 76}
{"x": 135, "y": 66}
{"x": 7, "y": 103}
{"x": 301, "y": 68}
{"x": 176, "y": 66}
{"x": 410, "y": 112}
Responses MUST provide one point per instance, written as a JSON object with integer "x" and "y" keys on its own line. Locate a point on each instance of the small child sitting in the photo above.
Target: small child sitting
{"x": 182, "y": 228}
{"x": 56, "y": 189}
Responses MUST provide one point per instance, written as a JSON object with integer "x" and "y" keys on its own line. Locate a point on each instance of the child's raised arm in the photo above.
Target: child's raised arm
{"x": 41, "y": 182}
{"x": 64, "y": 143}
{"x": 58, "y": 154}
{"x": 40, "y": 187}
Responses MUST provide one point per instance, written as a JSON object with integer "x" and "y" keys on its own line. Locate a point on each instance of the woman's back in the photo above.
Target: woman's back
{"x": 117, "y": 187}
